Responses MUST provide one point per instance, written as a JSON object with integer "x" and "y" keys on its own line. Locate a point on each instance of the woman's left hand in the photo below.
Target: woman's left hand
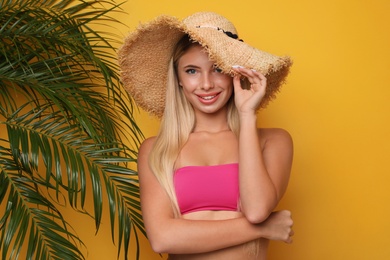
{"x": 248, "y": 100}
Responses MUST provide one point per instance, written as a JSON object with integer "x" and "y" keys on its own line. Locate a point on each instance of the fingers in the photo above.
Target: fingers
{"x": 286, "y": 225}
{"x": 237, "y": 82}
{"x": 289, "y": 240}
{"x": 248, "y": 98}
{"x": 255, "y": 78}
{"x": 290, "y": 231}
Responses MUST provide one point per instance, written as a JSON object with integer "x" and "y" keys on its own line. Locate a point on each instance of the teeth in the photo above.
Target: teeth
{"x": 208, "y": 97}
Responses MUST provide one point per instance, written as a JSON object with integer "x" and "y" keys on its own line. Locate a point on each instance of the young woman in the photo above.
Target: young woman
{"x": 210, "y": 180}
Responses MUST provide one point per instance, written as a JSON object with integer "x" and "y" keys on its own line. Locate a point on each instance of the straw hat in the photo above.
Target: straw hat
{"x": 146, "y": 52}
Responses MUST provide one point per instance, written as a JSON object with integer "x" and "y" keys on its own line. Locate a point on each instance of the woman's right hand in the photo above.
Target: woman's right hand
{"x": 278, "y": 226}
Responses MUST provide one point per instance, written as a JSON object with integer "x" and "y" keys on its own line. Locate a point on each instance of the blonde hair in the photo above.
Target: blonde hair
{"x": 177, "y": 124}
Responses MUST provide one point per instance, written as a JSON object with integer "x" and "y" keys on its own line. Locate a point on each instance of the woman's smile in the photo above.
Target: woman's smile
{"x": 208, "y": 98}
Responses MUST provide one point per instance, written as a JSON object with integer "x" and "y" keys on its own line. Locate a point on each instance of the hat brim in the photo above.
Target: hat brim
{"x": 144, "y": 58}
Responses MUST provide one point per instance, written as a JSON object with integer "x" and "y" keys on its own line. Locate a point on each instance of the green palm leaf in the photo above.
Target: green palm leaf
{"x": 67, "y": 128}
{"x": 24, "y": 216}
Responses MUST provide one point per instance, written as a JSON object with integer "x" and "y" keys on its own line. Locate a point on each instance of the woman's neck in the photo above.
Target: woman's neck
{"x": 211, "y": 123}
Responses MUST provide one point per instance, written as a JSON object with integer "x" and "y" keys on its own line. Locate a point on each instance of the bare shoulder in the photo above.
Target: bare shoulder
{"x": 147, "y": 145}
{"x": 276, "y": 136}
{"x": 144, "y": 151}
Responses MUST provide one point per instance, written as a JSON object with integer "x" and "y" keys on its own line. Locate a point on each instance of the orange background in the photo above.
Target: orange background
{"x": 335, "y": 105}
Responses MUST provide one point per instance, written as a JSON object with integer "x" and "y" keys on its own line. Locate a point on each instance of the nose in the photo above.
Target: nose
{"x": 208, "y": 82}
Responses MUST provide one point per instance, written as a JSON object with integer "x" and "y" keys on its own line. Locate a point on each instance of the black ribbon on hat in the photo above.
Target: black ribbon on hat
{"x": 230, "y": 34}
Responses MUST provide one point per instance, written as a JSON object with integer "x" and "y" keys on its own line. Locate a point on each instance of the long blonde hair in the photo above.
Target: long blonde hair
{"x": 177, "y": 124}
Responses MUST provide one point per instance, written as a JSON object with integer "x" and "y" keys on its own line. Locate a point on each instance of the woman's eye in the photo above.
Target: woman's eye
{"x": 191, "y": 71}
{"x": 218, "y": 70}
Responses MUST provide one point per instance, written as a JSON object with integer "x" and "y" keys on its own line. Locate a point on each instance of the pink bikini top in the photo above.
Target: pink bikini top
{"x": 207, "y": 187}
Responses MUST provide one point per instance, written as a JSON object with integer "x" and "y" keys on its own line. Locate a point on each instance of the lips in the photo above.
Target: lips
{"x": 208, "y": 98}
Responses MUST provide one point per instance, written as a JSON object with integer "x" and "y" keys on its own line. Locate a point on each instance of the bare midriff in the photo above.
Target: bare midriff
{"x": 244, "y": 251}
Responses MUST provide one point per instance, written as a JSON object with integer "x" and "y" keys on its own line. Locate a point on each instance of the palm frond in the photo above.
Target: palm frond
{"x": 51, "y": 56}
{"x": 67, "y": 127}
{"x": 29, "y": 213}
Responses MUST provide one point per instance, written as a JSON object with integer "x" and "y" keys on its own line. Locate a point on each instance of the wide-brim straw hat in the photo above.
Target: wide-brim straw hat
{"x": 145, "y": 55}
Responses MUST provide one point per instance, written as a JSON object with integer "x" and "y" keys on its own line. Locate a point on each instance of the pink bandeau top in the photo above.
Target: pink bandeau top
{"x": 201, "y": 188}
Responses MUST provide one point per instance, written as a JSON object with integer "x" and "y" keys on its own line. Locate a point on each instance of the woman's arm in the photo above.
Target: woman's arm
{"x": 265, "y": 156}
{"x": 168, "y": 234}
{"x": 264, "y": 170}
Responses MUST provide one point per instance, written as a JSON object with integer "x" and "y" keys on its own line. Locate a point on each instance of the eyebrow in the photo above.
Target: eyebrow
{"x": 198, "y": 67}
{"x": 191, "y": 66}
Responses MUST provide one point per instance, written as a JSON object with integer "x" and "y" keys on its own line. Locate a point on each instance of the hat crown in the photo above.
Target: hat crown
{"x": 209, "y": 20}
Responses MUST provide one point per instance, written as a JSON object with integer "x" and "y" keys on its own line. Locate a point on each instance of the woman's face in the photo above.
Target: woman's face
{"x": 204, "y": 85}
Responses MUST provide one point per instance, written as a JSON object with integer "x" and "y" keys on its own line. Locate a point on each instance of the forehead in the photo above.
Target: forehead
{"x": 194, "y": 55}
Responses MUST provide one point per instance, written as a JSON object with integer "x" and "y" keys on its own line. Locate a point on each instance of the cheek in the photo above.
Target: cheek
{"x": 188, "y": 84}
{"x": 227, "y": 82}
{"x": 230, "y": 87}
{"x": 224, "y": 78}
{"x": 184, "y": 79}
{"x": 186, "y": 90}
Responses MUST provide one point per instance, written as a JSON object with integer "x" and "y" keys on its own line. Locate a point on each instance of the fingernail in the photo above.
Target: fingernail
{"x": 254, "y": 70}
{"x": 237, "y": 66}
